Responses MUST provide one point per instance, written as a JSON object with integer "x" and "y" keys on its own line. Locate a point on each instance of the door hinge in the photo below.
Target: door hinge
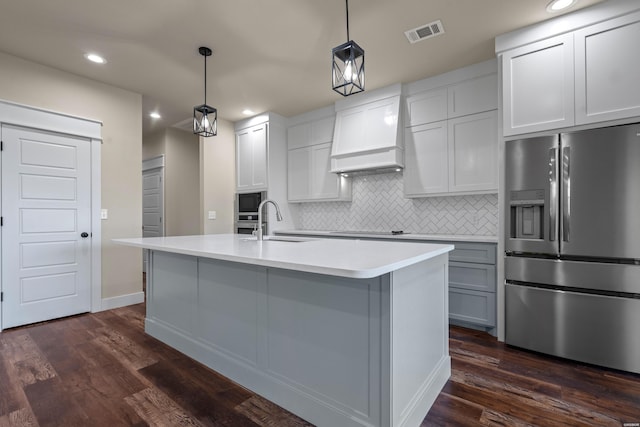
{"x": 1, "y": 145}
{"x": 1, "y": 221}
{"x": 1, "y": 296}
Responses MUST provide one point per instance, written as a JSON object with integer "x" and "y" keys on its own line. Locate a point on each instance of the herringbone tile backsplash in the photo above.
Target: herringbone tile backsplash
{"x": 379, "y": 205}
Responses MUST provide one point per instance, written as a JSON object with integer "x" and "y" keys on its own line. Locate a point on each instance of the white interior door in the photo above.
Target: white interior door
{"x": 152, "y": 205}
{"x": 46, "y": 231}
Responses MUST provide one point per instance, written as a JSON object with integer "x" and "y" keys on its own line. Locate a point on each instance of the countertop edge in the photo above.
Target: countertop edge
{"x": 364, "y": 273}
{"x": 398, "y": 237}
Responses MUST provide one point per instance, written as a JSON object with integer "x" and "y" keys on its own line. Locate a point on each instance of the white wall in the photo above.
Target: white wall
{"x": 217, "y": 179}
{"x": 120, "y": 111}
{"x": 181, "y": 178}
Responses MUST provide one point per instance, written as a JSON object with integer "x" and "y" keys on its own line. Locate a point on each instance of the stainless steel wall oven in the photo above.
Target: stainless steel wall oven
{"x": 246, "y": 212}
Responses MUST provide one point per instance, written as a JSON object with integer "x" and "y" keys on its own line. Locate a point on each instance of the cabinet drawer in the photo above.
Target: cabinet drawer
{"x": 472, "y": 306}
{"x": 483, "y": 253}
{"x": 478, "y": 277}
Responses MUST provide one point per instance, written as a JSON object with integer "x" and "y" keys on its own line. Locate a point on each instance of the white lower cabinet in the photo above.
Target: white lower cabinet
{"x": 456, "y": 156}
{"x": 472, "y": 308}
{"x": 472, "y": 279}
{"x": 472, "y": 285}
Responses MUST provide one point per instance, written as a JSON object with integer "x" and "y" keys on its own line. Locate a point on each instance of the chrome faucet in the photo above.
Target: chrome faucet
{"x": 259, "y": 233}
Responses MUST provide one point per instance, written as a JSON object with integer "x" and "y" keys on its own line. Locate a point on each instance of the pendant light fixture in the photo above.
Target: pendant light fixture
{"x": 205, "y": 117}
{"x": 348, "y": 66}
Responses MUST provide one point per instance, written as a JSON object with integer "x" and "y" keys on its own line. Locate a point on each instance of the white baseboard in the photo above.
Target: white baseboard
{"x": 122, "y": 301}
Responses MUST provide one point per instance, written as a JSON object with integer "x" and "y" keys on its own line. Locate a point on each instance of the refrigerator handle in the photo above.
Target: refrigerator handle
{"x": 566, "y": 193}
{"x": 553, "y": 193}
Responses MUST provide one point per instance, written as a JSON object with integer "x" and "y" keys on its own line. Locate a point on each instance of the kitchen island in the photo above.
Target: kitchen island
{"x": 339, "y": 332}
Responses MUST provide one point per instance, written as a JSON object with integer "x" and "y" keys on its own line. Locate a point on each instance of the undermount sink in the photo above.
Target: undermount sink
{"x": 277, "y": 239}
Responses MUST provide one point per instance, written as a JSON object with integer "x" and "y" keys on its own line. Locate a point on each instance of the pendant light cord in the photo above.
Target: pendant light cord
{"x": 347, "y": 2}
{"x": 205, "y": 79}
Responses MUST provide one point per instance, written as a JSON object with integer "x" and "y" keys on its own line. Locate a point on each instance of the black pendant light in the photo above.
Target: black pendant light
{"x": 348, "y": 66}
{"x": 205, "y": 117}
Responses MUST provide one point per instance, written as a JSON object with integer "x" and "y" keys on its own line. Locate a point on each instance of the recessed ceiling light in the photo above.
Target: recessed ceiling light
{"x": 95, "y": 58}
{"x": 155, "y": 115}
{"x": 247, "y": 112}
{"x": 558, "y": 5}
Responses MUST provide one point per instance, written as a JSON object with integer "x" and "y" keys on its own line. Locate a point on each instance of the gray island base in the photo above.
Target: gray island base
{"x": 337, "y": 346}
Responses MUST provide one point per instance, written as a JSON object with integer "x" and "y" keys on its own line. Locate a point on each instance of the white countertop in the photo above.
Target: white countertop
{"x": 407, "y": 236}
{"x": 359, "y": 259}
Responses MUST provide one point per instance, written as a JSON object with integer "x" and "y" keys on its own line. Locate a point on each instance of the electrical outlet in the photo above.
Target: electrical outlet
{"x": 212, "y": 215}
{"x": 104, "y": 214}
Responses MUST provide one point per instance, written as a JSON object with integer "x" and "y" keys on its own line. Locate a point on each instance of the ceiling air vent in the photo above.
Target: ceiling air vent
{"x": 424, "y": 32}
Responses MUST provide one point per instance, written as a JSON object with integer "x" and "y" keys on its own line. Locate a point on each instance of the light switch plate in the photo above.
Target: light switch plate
{"x": 212, "y": 215}
{"x": 104, "y": 214}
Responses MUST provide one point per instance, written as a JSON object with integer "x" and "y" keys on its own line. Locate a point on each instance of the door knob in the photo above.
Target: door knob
{"x": 84, "y": 235}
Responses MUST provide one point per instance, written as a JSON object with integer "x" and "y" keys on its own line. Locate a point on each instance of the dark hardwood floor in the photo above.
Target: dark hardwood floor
{"x": 103, "y": 370}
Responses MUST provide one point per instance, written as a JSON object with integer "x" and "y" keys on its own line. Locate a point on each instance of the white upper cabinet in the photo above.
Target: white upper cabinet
{"x": 457, "y": 156}
{"x": 473, "y": 96}
{"x": 607, "y": 69}
{"x": 577, "y": 69}
{"x": 427, "y": 107}
{"x": 261, "y": 163}
{"x": 324, "y": 184}
{"x": 311, "y": 133}
{"x": 309, "y": 179}
{"x": 251, "y": 158}
{"x": 538, "y": 86}
{"x": 309, "y": 176}
{"x": 298, "y": 136}
{"x": 298, "y": 174}
{"x": 426, "y": 160}
{"x": 473, "y": 153}
{"x": 322, "y": 130}
{"x": 458, "y": 152}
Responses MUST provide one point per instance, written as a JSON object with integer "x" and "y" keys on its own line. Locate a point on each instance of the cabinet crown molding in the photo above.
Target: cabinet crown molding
{"x": 565, "y": 24}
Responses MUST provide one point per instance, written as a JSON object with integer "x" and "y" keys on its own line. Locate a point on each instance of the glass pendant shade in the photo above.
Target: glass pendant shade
{"x": 348, "y": 68}
{"x": 205, "y": 117}
{"x": 205, "y": 120}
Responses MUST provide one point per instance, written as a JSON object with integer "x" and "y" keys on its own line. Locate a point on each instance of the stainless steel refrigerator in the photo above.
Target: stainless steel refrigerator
{"x": 572, "y": 261}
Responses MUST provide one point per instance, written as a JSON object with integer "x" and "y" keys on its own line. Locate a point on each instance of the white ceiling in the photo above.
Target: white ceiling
{"x": 270, "y": 55}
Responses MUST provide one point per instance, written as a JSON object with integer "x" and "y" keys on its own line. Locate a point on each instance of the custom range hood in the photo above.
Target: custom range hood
{"x": 368, "y": 133}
